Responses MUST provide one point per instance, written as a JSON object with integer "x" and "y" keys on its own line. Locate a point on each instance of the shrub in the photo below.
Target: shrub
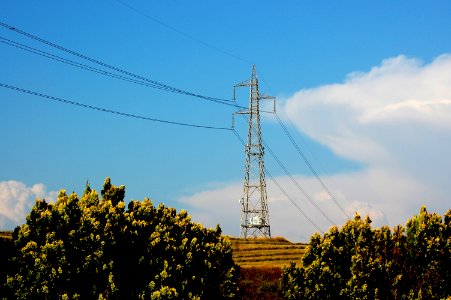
{"x": 93, "y": 248}
{"x": 358, "y": 262}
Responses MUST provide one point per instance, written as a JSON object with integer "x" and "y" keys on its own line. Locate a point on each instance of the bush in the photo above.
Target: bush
{"x": 93, "y": 248}
{"x": 7, "y": 254}
{"x": 358, "y": 262}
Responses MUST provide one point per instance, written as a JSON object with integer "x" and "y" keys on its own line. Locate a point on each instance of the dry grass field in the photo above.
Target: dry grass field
{"x": 261, "y": 261}
{"x": 260, "y": 252}
{"x": 6, "y": 234}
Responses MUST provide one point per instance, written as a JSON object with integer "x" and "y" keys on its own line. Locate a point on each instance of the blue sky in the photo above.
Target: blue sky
{"x": 347, "y": 75}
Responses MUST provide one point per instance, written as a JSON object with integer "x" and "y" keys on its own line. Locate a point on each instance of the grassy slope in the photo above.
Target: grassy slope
{"x": 6, "y": 234}
{"x": 261, "y": 262}
{"x": 275, "y": 252}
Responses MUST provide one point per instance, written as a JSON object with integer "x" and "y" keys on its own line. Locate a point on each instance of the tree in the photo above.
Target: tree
{"x": 7, "y": 254}
{"x": 93, "y": 248}
{"x": 358, "y": 262}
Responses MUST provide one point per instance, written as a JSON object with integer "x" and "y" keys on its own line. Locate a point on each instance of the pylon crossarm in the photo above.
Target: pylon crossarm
{"x": 242, "y": 84}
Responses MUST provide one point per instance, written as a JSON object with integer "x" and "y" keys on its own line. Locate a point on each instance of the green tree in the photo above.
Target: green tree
{"x": 93, "y": 248}
{"x": 358, "y": 262}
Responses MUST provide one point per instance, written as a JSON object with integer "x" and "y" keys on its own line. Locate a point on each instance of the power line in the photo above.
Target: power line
{"x": 208, "y": 45}
{"x": 307, "y": 162}
{"x": 106, "y": 110}
{"x": 153, "y": 84}
{"x": 164, "y": 86}
{"x": 71, "y": 62}
{"x": 92, "y": 69}
{"x": 296, "y": 146}
{"x": 295, "y": 182}
{"x": 292, "y": 201}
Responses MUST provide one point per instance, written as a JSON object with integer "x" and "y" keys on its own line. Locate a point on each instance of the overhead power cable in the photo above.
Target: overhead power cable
{"x": 203, "y": 43}
{"x": 296, "y": 146}
{"x": 307, "y": 162}
{"x": 106, "y": 110}
{"x": 282, "y": 189}
{"x": 89, "y": 68}
{"x": 293, "y": 180}
{"x": 82, "y": 56}
{"x": 292, "y": 201}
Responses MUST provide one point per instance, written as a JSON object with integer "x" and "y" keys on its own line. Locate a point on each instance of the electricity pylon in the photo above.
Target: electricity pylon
{"x": 254, "y": 204}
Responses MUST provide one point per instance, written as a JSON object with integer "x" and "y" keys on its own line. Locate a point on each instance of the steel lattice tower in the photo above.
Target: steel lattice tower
{"x": 254, "y": 204}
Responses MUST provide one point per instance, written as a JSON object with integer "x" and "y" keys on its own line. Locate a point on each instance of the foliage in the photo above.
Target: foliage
{"x": 93, "y": 248}
{"x": 7, "y": 253}
{"x": 358, "y": 262}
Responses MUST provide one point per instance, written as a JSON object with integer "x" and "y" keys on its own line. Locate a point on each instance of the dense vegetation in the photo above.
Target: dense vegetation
{"x": 92, "y": 248}
{"x": 95, "y": 248}
{"x": 358, "y": 262}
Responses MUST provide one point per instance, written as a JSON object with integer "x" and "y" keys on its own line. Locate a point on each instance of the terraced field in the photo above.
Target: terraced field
{"x": 6, "y": 234}
{"x": 275, "y": 252}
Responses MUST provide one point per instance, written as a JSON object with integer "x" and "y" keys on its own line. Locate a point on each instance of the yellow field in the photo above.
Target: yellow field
{"x": 259, "y": 252}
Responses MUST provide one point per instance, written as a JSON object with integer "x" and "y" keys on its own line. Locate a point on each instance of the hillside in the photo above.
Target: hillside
{"x": 261, "y": 261}
{"x": 259, "y": 252}
{"x": 6, "y": 234}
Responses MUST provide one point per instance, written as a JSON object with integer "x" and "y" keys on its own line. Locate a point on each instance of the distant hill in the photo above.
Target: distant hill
{"x": 264, "y": 252}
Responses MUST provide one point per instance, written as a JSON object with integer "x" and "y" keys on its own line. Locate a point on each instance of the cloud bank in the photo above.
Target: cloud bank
{"x": 394, "y": 119}
{"x": 16, "y": 200}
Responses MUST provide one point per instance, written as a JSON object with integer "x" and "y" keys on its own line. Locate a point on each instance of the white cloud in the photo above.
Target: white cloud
{"x": 395, "y": 119}
{"x": 16, "y": 200}
{"x": 354, "y": 118}
{"x": 216, "y": 206}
